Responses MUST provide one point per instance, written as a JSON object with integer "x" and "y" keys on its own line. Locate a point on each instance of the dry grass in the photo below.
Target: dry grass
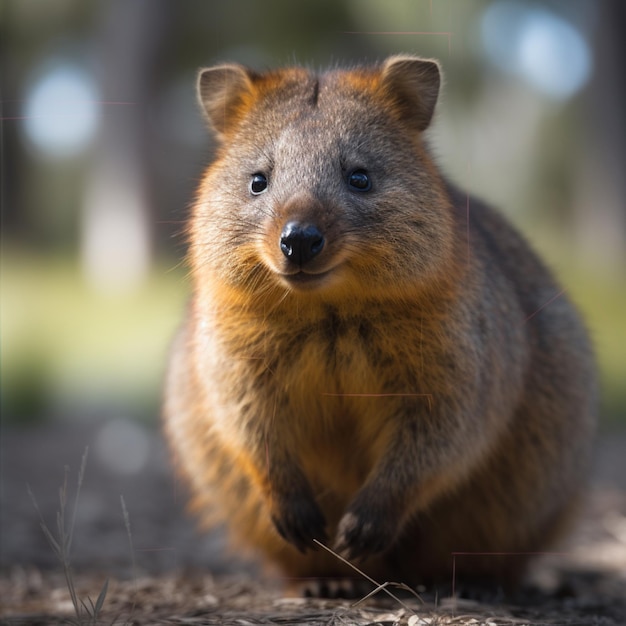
{"x": 86, "y": 611}
{"x": 192, "y": 598}
{"x": 586, "y": 589}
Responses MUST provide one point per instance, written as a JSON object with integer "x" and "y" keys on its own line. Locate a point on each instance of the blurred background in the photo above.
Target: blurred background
{"x": 102, "y": 146}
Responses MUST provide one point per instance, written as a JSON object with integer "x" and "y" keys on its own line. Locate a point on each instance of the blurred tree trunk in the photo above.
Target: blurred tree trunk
{"x": 117, "y": 227}
{"x": 601, "y": 199}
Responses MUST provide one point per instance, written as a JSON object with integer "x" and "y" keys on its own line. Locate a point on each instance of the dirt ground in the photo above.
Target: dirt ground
{"x": 164, "y": 572}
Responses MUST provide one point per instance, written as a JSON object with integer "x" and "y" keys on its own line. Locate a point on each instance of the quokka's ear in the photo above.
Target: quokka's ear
{"x": 222, "y": 93}
{"x": 413, "y": 85}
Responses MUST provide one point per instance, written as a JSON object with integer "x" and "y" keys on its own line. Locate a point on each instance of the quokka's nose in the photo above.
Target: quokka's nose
{"x": 301, "y": 242}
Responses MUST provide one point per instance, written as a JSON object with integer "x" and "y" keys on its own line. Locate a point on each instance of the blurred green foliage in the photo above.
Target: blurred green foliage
{"x": 67, "y": 349}
{"x": 601, "y": 298}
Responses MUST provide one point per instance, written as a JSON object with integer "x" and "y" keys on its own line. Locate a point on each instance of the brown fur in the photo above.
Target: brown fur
{"x": 404, "y": 398}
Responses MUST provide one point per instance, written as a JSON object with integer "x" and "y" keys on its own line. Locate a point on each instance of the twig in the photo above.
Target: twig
{"x": 378, "y": 586}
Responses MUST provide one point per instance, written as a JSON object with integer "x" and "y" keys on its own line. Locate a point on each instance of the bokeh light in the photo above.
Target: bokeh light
{"x": 538, "y": 46}
{"x": 61, "y": 112}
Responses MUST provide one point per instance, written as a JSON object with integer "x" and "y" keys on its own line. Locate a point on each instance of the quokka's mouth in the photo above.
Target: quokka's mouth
{"x": 306, "y": 281}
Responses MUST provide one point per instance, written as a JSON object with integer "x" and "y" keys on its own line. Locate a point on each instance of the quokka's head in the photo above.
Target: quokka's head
{"x": 321, "y": 182}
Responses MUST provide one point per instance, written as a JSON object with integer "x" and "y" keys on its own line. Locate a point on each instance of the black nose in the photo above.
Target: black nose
{"x": 301, "y": 242}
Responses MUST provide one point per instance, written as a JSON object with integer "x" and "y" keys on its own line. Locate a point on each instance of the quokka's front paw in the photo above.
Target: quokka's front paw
{"x": 365, "y": 530}
{"x": 299, "y": 520}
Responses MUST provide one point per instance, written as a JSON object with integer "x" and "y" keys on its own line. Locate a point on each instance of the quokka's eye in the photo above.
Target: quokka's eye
{"x": 258, "y": 184}
{"x": 359, "y": 180}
